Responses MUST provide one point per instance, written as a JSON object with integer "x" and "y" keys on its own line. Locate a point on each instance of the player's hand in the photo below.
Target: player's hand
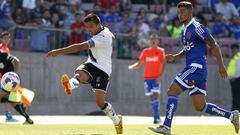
{"x": 159, "y": 80}
{"x": 53, "y": 53}
{"x": 170, "y": 57}
{"x": 223, "y": 72}
{"x": 130, "y": 68}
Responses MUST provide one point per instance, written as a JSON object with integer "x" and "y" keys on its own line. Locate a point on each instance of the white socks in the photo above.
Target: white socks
{"x": 73, "y": 83}
{"x": 109, "y": 111}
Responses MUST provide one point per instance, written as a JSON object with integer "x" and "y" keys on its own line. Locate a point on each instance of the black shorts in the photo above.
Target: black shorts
{"x": 98, "y": 78}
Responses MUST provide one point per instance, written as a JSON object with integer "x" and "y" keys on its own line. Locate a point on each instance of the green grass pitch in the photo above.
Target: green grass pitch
{"x": 77, "y": 129}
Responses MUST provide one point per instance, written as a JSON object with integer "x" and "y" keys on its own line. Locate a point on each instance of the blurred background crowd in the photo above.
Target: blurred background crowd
{"x": 42, "y": 25}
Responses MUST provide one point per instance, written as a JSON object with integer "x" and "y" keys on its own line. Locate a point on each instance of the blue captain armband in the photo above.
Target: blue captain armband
{"x": 91, "y": 43}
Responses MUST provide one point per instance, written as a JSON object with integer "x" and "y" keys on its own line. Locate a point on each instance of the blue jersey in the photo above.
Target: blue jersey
{"x": 192, "y": 37}
{"x": 194, "y": 76}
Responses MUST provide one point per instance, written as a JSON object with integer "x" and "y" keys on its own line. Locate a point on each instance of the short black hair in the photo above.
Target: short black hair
{"x": 235, "y": 46}
{"x": 92, "y": 18}
{"x": 5, "y": 33}
{"x": 186, "y": 4}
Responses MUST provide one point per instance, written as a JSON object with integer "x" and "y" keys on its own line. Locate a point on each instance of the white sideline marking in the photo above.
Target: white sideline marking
{"x": 178, "y": 120}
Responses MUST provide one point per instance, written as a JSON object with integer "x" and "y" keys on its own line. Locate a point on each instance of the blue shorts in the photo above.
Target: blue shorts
{"x": 151, "y": 86}
{"x": 193, "y": 78}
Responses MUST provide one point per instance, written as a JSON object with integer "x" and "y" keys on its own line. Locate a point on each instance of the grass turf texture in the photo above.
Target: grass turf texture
{"x": 75, "y": 129}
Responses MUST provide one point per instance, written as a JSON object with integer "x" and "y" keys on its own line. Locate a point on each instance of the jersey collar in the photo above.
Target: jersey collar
{"x": 192, "y": 20}
{"x": 102, "y": 28}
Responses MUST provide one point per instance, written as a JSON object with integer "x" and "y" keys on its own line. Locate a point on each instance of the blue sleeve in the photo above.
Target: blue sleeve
{"x": 202, "y": 32}
{"x": 91, "y": 43}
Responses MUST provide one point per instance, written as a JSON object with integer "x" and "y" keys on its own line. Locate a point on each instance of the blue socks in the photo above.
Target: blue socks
{"x": 155, "y": 106}
{"x": 215, "y": 110}
{"x": 8, "y": 115}
{"x": 170, "y": 110}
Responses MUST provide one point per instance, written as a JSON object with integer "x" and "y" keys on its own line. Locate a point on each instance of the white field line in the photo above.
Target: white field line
{"x": 178, "y": 120}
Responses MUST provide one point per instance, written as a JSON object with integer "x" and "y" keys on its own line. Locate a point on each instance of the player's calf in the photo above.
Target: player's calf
{"x": 22, "y": 111}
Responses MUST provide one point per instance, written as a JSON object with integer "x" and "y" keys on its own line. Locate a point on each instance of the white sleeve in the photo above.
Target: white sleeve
{"x": 98, "y": 41}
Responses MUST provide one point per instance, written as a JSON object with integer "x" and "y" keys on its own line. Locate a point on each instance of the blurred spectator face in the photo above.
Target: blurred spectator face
{"x": 112, "y": 10}
{"x": 234, "y": 49}
{"x": 5, "y": 39}
{"x": 218, "y": 17}
{"x": 38, "y": 20}
{"x": 19, "y": 11}
{"x": 91, "y": 27}
{"x": 73, "y": 8}
{"x": 125, "y": 17}
{"x": 19, "y": 20}
{"x": 55, "y": 18}
{"x": 47, "y": 15}
{"x": 139, "y": 20}
{"x": 142, "y": 11}
{"x": 158, "y": 9}
{"x": 78, "y": 18}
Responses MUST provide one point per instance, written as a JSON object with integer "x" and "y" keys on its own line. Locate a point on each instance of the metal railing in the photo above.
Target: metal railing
{"x": 43, "y": 39}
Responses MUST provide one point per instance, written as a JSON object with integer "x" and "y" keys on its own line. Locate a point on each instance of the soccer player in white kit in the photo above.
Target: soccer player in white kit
{"x": 97, "y": 69}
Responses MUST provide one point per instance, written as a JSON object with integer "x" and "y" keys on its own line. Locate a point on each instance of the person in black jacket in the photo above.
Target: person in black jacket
{"x": 7, "y": 65}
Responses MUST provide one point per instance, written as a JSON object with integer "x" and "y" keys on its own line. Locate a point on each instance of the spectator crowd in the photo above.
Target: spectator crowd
{"x": 132, "y": 20}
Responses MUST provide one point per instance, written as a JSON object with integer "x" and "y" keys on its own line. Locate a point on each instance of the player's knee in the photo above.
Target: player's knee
{"x": 154, "y": 95}
{"x": 82, "y": 76}
{"x": 172, "y": 92}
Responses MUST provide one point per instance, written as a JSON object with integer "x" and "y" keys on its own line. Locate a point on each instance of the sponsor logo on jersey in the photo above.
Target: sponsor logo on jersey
{"x": 152, "y": 59}
{"x": 188, "y": 46}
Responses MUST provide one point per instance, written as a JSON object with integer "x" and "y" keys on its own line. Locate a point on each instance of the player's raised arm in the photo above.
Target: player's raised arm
{"x": 69, "y": 49}
{"x": 217, "y": 53}
{"x": 136, "y": 65}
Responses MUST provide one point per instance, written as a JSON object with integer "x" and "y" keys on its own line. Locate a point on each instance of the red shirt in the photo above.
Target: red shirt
{"x": 4, "y": 48}
{"x": 76, "y": 37}
{"x": 106, "y": 3}
{"x": 154, "y": 59}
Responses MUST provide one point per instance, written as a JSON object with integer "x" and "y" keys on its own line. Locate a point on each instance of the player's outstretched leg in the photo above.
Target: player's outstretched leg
{"x": 21, "y": 109}
{"x": 117, "y": 119}
{"x": 66, "y": 84}
{"x": 69, "y": 84}
{"x": 235, "y": 120}
{"x": 215, "y": 110}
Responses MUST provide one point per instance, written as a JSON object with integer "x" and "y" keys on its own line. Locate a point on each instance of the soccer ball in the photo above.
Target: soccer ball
{"x": 9, "y": 81}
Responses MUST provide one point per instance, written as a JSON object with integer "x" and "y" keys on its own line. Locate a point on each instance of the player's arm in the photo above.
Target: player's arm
{"x": 178, "y": 56}
{"x": 217, "y": 53}
{"x": 136, "y": 65}
{"x": 69, "y": 49}
{"x": 16, "y": 64}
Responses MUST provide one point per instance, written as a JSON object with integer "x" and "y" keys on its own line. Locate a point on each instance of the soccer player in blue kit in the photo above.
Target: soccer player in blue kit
{"x": 195, "y": 38}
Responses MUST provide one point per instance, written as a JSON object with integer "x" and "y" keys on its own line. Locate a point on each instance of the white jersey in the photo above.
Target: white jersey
{"x": 100, "y": 51}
